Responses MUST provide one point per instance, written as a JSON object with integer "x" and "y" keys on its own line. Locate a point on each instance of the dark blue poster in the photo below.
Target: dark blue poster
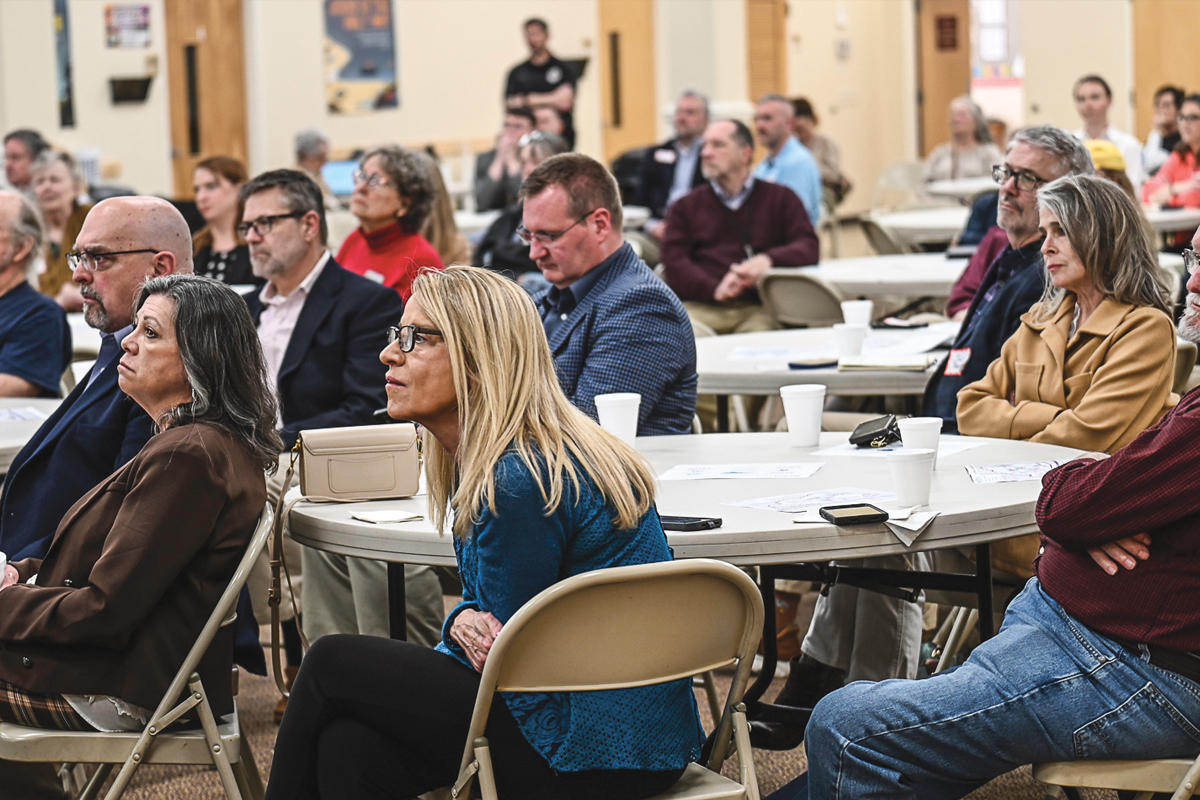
{"x": 360, "y": 56}
{"x": 62, "y": 44}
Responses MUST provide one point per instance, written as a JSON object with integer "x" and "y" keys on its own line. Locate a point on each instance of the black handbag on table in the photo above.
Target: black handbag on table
{"x": 879, "y": 432}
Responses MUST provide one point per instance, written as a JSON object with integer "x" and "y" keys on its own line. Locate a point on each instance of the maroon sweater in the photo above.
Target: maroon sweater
{"x": 1150, "y": 485}
{"x": 704, "y": 238}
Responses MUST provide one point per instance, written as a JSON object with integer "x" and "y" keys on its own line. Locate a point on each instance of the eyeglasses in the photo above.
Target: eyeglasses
{"x": 100, "y": 260}
{"x": 374, "y": 181}
{"x": 1191, "y": 261}
{"x": 407, "y": 336}
{"x": 1189, "y": 117}
{"x": 262, "y": 226}
{"x": 1026, "y": 180}
{"x": 547, "y": 238}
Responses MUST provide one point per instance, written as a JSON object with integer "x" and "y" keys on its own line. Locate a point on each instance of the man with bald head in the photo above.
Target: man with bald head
{"x": 35, "y": 342}
{"x": 124, "y": 241}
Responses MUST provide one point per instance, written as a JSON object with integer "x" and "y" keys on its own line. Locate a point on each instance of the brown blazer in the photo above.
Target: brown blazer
{"x": 133, "y": 573}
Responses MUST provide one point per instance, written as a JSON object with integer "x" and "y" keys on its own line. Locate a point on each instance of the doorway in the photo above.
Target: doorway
{"x": 1162, "y": 54}
{"x": 944, "y": 66}
{"x": 627, "y": 75}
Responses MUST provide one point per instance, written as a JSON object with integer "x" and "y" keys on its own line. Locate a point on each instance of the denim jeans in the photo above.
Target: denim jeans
{"x": 1045, "y": 688}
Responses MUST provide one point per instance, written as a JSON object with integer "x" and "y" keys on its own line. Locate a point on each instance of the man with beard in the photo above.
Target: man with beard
{"x": 124, "y": 242}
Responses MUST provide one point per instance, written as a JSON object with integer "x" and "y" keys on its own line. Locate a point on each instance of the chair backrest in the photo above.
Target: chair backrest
{"x": 1185, "y": 360}
{"x": 880, "y": 238}
{"x": 897, "y": 184}
{"x": 796, "y": 299}
{"x": 624, "y": 627}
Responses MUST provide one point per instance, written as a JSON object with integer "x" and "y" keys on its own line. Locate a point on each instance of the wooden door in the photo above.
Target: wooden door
{"x": 944, "y": 65}
{"x": 627, "y": 75}
{"x": 207, "y": 84}
{"x": 1162, "y": 54}
{"x": 766, "y": 47}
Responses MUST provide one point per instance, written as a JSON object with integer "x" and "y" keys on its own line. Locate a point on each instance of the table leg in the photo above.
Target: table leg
{"x": 722, "y": 413}
{"x": 397, "y": 608}
{"x": 766, "y": 587}
{"x": 983, "y": 578}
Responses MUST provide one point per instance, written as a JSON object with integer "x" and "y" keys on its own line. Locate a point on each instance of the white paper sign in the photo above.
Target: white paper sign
{"x": 795, "y": 503}
{"x": 707, "y": 472}
{"x": 1011, "y": 473}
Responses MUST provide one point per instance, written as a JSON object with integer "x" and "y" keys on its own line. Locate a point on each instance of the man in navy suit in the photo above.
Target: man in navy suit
{"x": 672, "y": 169}
{"x": 613, "y": 326}
{"x": 124, "y": 242}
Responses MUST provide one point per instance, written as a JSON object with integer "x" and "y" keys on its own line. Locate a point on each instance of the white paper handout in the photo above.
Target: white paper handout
{"x": 706, "y": 472}
{"x": 947, "y": 446}
{"x": 910, "y": 528}
{"x": 795, "y": 503}
{"x": 23, "y": 414}
{"x": 385, "y": 517}
{"x": 1011, "y": 473}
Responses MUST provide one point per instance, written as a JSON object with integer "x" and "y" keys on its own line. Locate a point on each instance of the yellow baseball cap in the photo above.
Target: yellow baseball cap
{"x": 1105, "y": 155}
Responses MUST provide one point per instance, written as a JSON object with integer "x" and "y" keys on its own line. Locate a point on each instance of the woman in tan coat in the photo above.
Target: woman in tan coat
{"x": 1092, "y": 364}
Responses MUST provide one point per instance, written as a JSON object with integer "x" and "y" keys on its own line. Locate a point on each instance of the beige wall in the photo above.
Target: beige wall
{"x": 1066, "y": 39}
{"x": 132, "y": 138}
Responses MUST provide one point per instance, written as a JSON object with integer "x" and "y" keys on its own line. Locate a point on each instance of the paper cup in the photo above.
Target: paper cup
{"x": 857, "y": 312}
{"x": 912, "y": 472}
{"x": 619, "y": 414}
{"x": 849, "y": 338}
{"x": 921, "y": 433}
{"x": 803, "y": 404}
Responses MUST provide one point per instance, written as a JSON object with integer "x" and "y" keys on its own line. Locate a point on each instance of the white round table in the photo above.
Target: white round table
{"x": 925, "y": 225}
{"x": 904, "y": 275}
{"x": 1169, "y": 220}
{"x": 14, "y": 435}
{"x": 962, "y": 188}
{"x": 756, "y": 363}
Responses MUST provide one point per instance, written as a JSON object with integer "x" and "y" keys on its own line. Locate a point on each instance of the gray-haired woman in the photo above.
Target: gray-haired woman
{"x": 92, "y": 634}
{"x": 970, "y": 153}
{"x": 392, "y": 199}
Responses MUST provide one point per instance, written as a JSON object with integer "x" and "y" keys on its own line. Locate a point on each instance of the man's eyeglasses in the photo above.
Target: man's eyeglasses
{"x": 100, "y": 260}
{"x": 262, "y": 226}
{"x": 406, "y": 335}
{"x": 374, "y": 181}
{"x": 1189, "y": 117}
{"x": 1191, "y": 261}
{"x": 1026, "y": 180}
{"x": 547, "y": 238}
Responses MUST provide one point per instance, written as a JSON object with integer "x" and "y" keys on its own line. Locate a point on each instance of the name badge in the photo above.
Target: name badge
{"x": 665, "y": 156}
{"x": 957, "y": 362}
{"x": 373, "y": 275}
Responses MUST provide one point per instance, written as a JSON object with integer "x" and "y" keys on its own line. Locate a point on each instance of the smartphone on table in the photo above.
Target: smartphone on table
{"x": 690, "y": 523}
{"x": 853, "y": 514}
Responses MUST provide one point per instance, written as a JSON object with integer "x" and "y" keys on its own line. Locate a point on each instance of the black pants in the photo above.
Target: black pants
{"x": 374, "y": 718}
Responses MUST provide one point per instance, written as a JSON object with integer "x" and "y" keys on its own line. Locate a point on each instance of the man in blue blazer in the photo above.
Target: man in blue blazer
{"x": 124, "y": 242}
{"x": 612, "y": 325}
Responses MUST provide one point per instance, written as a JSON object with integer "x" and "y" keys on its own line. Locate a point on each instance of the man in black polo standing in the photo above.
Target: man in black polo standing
{"x": 543, "y": 79}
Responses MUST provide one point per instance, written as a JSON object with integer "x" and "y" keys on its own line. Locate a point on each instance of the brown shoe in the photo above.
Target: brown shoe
{"x": 289, "y": 675}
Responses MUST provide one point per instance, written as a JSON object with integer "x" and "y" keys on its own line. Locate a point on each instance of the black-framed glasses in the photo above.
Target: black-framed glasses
{"x": 547, "y": 238}
{"x": 100, "y": 260}
{"x": 262, "y": 226}
{"x": 1191, "y": 261}
{"x": 1026, "y": 180}
{"x": 406, "y": 335}
{"x": 1189, "y": 117}
{"x": 374, "y": 181}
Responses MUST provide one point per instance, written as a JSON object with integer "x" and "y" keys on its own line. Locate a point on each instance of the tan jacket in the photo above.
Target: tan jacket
{"x": 133, "y": 573}
{"x": 1096, "y": 392}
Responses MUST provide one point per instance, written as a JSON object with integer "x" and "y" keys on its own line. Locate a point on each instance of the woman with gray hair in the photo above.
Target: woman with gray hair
{"x": 970, "y": 153}
{"x": 1092, "y": 364}
{"x": 91, "y": 635}
{"x": 57, "y": 185}
{"x": 392, "y": 198}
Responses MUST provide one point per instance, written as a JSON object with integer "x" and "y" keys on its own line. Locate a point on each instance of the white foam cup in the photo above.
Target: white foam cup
{"x": 921, "y": 433}
{"x": 619, "y": 414}
{"x": 912, "y": 472}
{"x": 849, "y": 338}
{"x": 857, "y": 312}
{"x": 803, "y": 404}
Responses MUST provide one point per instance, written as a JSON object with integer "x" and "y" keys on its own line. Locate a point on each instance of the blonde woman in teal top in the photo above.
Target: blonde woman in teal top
{"x": 533, "y": 492}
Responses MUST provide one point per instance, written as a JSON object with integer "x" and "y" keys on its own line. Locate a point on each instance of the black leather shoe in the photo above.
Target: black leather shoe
{"x": 809, "y": 681}
{"x": 775, "y": 736}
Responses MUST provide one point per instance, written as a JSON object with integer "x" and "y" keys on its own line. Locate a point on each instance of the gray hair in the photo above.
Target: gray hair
{"x": 695, "y": 95}
{"x": 1071, "y": 157}
{"x": 25, "y": 226}
{"x": 983, "y": 134}
{"x": 1110, "y": 237}
{"x": 300, "y": 194}
{"x": 224, "y": 364}
{"x": 410, "y": 177}
{"x": 777, "y": 98}
{"x": 49, "y": 158}
{"x": 543, "y": 144}
{"x": 309, "y": 143}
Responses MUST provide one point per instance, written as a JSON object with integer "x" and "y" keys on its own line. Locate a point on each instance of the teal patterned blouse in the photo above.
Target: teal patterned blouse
{"x": 515, "y": 551}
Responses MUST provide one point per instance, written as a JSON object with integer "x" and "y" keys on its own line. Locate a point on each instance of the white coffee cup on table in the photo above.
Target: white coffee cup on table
{"x": 849, "y": 338}
{"x": 803, "y": 404}
{"x": 618, "y": 413}
{"x": 857, "y": 312}
{"x": 912, "y": 474}
{"x": 921, "y": 433}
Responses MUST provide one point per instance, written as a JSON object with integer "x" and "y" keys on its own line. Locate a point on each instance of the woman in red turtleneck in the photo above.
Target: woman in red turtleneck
{"x": 392, "y": 197}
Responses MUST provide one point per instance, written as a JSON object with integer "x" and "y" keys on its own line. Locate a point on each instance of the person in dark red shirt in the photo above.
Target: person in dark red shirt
{"x": 1098, "y": 657}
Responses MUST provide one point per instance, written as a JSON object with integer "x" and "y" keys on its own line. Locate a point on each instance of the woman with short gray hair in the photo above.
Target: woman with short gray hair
{"x": 57, "y": 185}
{"x": 970, "y": 153}
{"x": 392, "y": 198}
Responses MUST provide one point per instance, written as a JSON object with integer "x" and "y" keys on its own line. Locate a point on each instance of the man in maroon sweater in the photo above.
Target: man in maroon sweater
{"x": 1098, "y": 658}
{"x": 723, "y": 235}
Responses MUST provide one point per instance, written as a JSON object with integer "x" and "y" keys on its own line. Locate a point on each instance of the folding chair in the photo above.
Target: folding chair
{"x": 626, "y": 627}
{"x": 799, "y": 300}
{"x": 220, "y": 745}
{"x": 1176, "y": 775}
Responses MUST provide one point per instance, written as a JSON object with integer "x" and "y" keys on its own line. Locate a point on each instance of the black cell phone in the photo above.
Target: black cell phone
{"x": 853, "y": 514}
{"x": 690, "y": 523}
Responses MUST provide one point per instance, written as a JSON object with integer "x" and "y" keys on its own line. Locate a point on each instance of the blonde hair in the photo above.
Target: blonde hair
{"x": 509, "y": 398}
{"x": 440, "y": 229}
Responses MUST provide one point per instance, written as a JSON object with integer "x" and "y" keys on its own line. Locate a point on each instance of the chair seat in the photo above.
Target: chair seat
{"x": 1163, "y": 775}
{"x": 19, "y": 743}
{"x": 698, "y": 783}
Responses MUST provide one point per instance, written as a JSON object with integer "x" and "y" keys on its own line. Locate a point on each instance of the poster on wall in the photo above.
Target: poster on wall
{"x": 127, "y": 25}
{"x": 62, "y": 45}
{"x": 360, "y": 56}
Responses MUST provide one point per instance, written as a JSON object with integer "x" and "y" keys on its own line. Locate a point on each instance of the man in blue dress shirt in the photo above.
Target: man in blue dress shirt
{"x": 788, "y": 162}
